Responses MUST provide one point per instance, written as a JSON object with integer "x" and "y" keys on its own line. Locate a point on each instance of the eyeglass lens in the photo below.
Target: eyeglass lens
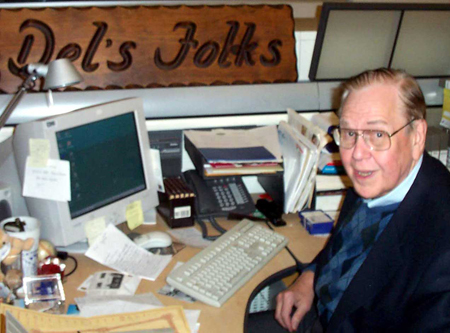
{"x": 377, "y": 140}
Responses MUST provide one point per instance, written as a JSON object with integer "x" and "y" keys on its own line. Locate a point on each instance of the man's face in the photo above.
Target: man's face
{"x": 376, "y": 173}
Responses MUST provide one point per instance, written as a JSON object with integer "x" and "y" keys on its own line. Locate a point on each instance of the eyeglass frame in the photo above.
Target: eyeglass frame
{"x": 338, "y": 128}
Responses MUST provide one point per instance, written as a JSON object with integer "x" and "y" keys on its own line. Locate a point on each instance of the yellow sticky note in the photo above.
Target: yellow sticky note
{"x": 39, "y": 152}
{"x": 134, "y": 214}
{"x": 94, "y": 228}
{"x": 445, "y": 120}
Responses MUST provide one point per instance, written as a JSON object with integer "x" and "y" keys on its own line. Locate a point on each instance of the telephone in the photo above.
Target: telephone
{"x": 219, "y": 196}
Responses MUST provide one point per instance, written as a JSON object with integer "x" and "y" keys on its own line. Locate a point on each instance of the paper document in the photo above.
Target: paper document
{"x": 257, "y": 153}
{"x": 104, "y": 305}
{"x": 300, "y": 157}
{"x": 110, "y": 283}
{"x": 155, "y": 156}
{"x": 114, "y": 249}
{"x": 170, "y": 291}
{"x": 51, "y": 182}
{"x": 266, "y": 137}
{"x": 13, "y": 325}
{"x": 301, "y": 142}
{"x": 161, "y": 320}
{"x": 307, "y": 129}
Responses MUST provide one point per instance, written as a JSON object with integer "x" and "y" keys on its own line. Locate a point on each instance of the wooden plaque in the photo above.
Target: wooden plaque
{"x": 152, "y": 46}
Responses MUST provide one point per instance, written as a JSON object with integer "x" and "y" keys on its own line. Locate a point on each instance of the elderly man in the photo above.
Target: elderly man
{"x": 386, "y": 266}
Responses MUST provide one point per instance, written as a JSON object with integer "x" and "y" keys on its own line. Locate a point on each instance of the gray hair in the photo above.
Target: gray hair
{"x": 409, "y": 91}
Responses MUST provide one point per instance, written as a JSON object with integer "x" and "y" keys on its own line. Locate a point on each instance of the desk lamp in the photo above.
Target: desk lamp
{"x": 57, "y": 74}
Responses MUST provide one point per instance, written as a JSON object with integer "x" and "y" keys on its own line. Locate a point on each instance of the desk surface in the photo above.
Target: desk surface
{"x": 304, "y": 246}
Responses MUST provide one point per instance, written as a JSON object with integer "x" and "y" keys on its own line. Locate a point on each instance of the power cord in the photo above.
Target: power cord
{"x": 64, "y": 256}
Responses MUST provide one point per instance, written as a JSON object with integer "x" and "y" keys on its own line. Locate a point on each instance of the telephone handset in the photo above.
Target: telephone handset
{"x": 219, "y": 196}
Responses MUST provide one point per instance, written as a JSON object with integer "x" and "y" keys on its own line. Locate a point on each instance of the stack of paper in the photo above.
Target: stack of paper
{"x": 234, "y": 152}
{"x": 301, "y": 142}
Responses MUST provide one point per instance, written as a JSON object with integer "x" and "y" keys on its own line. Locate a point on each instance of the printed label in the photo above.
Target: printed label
{"x": 182, "y": 212}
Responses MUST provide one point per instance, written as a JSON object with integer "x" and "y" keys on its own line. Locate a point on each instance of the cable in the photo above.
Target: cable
{"x": 65, "y": 256}
{"x": 205, "y": 230}
{"x": 216, "y": 225}
{"x": 297, "y": 262}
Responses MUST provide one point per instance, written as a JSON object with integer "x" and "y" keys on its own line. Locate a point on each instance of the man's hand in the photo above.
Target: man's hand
{"x": 301, "y": 295}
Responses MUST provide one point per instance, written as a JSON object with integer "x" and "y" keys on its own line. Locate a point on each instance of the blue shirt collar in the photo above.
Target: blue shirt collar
{"x": 398, "y": 193}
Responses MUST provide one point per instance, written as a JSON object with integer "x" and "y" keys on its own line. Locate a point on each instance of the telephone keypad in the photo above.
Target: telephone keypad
{"x": 217, "y": 196}
{"x": 225, "y": 196}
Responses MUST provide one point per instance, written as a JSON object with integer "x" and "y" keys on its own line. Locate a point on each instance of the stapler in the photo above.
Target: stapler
{"x": 272, "y": 211}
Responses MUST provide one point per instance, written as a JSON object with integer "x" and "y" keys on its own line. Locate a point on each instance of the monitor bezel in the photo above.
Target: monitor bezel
{"x": 113, "y": 212}
{"x": 103, "y": 111}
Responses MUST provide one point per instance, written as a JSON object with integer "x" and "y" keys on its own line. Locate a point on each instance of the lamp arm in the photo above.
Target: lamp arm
{"x": 28, "y": 84}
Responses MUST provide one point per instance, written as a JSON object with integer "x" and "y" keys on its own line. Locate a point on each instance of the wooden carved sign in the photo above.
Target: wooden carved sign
{"x": 130, "y": 47}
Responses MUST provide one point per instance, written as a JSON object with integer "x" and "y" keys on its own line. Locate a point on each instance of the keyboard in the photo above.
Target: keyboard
{"x": 218, "y": 271}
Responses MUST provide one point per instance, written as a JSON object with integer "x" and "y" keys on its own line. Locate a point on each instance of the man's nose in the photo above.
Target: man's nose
{"x": 361, "y": 150}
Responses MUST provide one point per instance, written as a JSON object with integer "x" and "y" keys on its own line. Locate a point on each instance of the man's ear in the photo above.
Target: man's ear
{"x": 419, "y": 137}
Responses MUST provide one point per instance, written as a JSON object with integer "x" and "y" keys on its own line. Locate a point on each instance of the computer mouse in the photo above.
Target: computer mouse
{"x": 153, "y": 239}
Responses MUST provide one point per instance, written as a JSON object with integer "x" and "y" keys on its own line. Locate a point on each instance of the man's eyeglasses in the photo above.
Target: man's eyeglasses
{"x": 377, "y": 140}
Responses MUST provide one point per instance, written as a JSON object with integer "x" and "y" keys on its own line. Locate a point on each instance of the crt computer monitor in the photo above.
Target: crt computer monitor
{"x": 108, "y": 149}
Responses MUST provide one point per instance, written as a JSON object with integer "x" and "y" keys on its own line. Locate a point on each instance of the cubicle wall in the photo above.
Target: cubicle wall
{"x": 206, "y": 106}
{"x": 182, "y": 102}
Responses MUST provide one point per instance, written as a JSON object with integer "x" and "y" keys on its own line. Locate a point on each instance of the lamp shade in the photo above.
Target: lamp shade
{"x": 61, "y": 73}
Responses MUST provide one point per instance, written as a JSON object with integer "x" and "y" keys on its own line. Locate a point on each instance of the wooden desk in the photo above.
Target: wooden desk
{"x": 228, "y": 318}
{"x": 304, "y": 246}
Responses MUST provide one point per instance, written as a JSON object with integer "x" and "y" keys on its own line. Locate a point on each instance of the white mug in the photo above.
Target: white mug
{"x": 32, "y": 230}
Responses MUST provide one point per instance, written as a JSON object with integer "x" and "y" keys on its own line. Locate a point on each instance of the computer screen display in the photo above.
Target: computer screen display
{"x": 108, "y": 149}
{"x": 105, "y": 156}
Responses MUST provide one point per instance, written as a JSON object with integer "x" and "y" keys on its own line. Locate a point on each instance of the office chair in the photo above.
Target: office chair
{"x": 271, "y": 280}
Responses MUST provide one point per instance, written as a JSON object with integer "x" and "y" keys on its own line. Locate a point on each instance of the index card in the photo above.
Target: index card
{"x": 51, "y": 182}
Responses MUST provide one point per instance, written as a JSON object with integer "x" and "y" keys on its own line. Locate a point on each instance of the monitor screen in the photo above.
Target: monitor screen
{"x": 108, "y": 149}
{"x": 103, "y": 155}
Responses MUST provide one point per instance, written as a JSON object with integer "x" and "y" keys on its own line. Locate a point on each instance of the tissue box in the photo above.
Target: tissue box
{"x": 316, "y": 222}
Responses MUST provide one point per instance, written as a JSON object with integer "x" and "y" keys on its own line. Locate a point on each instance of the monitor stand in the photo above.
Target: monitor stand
{"x": 79, "y": 247}
{"x": 82, "y": 247}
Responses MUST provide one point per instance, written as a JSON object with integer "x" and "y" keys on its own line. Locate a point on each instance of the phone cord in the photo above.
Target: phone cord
{"x": 216, "y": 226}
